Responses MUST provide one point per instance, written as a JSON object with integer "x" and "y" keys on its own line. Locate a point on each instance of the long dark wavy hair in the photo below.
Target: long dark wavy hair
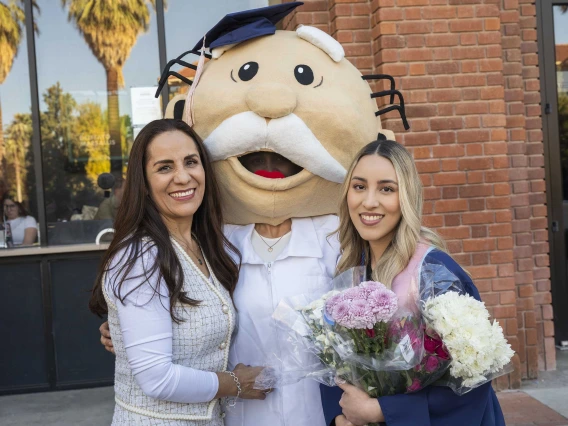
{"x": 139, "y": 228}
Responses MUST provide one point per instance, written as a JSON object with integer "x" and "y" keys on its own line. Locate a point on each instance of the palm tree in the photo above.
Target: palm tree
{"x": 12, "y": 21}
{"x": 18, "y": 137}
{"x": 110, "y": 28}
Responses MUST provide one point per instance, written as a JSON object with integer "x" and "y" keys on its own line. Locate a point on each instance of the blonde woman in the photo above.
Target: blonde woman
{"x": 381, "y": 226}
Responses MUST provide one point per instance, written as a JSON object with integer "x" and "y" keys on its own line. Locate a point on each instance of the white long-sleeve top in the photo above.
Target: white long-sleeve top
{"x": 146, "y": 327}
{"x": 305, "y": 266}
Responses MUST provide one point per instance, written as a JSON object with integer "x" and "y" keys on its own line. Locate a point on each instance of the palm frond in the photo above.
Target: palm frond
{"x": 12, "y": 23}
{"x": 110, "y": 28}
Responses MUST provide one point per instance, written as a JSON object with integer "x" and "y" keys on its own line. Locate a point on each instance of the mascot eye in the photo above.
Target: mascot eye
{"x": 248, "y": 71}
{"x": 304, "y": 74}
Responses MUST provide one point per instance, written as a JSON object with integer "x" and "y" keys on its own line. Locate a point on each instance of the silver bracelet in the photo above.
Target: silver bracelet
{"x": 231, "y": 402}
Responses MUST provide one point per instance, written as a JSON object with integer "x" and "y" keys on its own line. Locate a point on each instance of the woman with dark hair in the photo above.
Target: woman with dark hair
{"x": 167, "y": 282}
{"x": 22, "y": 225}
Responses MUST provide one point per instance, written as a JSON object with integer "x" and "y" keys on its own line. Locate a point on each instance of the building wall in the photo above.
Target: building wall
{"x": 469, "y": 72}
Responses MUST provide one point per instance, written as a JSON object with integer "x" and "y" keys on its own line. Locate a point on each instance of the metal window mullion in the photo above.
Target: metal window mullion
{"x": 160, "y": 17}
{"x": 36, "y": 134}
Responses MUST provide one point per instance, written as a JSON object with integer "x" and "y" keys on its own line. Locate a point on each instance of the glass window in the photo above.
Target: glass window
{"x": 18, "y": 225}
{"x": 187, "y": 22}
{"x": 96, "y": 87}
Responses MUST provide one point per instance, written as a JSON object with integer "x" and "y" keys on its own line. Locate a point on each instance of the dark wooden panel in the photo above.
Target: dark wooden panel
{"x": 80, "y": 358}
{"x": 23, "y": 357}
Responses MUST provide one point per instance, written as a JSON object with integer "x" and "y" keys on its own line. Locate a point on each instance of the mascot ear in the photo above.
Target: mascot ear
{"x": 175, "y": 107}
{"x": 322, "y": 40}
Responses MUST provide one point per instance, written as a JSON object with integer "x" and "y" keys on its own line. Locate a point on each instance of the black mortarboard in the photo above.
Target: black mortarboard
{"x": 241, "y": 26}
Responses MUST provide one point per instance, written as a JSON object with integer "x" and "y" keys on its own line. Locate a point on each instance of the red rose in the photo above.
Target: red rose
{"x": 430, "y": 344}
{"x": 415, "y": 386}
{"x": 370, "y": 332}
{"x": 431, "y": 364}
{"x": 442, "y": 353}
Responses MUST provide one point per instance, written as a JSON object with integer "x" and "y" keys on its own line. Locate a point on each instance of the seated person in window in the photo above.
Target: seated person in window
{"x": 23, "y": 226}
{"x": 109, "y": 206}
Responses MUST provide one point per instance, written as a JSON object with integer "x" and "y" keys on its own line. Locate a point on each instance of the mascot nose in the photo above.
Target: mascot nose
{"x": 271, "y": 100}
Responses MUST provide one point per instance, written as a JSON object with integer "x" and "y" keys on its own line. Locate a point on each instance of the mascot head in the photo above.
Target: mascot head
{"x": 282, "y": 114}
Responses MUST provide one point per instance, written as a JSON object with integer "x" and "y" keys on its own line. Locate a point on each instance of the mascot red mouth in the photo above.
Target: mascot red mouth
{"x": 270, "y": 175}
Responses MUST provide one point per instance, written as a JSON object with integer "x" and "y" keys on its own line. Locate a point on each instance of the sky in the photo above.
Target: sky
{"x": 560, "y": 26}
{"x": 62, "y": 54}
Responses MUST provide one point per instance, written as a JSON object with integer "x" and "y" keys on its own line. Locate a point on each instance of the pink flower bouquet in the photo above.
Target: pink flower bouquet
{"x": 383, "y": 346}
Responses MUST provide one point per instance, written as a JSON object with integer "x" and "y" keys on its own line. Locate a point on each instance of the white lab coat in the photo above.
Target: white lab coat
{"x": 306, "y": 265}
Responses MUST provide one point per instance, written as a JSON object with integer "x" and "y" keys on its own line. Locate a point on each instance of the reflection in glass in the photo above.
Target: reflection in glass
{"x": 187, "y": 22}
{"x": 96, "y": 63}
{"x": 17, "y": 178}
{"x": 561, "y": 49}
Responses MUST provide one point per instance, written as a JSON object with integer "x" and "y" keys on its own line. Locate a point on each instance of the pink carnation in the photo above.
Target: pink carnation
{"x": 384, "y": 304}
{"x": 332, "y": 302}
{"x": 340, "y": 311}
{"x": 353, "y": 293}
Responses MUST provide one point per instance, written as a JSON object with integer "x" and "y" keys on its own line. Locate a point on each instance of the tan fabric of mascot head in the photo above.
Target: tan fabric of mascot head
{"x": 319, "y": 125}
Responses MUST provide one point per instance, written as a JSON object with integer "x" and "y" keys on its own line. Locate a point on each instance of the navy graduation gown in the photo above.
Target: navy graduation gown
{"x": 433, "y": 405}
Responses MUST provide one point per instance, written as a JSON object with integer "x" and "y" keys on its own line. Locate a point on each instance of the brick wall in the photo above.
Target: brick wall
{"x": 469, "y": 72}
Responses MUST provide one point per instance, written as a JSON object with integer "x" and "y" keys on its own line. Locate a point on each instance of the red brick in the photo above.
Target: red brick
{"x": 448, "y": 151}
{"x": 486, "y": 10}
{"x": 417, "y": 69}
{"x": 428, "y": 166}
{"x": 414, "y": 28}
{"x": 489, "y": 65}
{"x": 439, "y": 12}
{"x": 442, "y": 68}
{"x": 470, "y": 218}
{"x": 463, "y": 25}
{"x": 468, "y": 39}
{"x": 446, "y": 123}
{"x": 443, "y": 206}
{"x": 492, "y": 24}
{"x": 504, "y": 312}
{"x": 466, "y": 11}
{"x": 412, "y": 83}
{"x": 444, "y": 95}
{"x": 468, "y": 136}
{"x": 351, "y": 23}
{"x": 416, "y": 55}
{"x": 481, "y": 163}
{"x": 464, "y": 108}
{"x": 439, "y": 40}
{"x": 389, "y": 14}
{"x": 501, "y": 257}
{"x": 469, "y": 80}
{"x": 487, "y": 271}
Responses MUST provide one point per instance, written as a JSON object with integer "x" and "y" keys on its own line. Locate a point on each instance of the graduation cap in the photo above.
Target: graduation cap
{"x": 248, "y": 24}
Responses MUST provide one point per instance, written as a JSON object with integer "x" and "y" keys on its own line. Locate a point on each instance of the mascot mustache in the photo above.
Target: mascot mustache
{"x": 288, "y": 136}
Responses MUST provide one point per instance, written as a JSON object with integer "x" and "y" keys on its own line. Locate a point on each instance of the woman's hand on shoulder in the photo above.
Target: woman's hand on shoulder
{"x": 106, "y": 340}
{"x": 358, "y": 407}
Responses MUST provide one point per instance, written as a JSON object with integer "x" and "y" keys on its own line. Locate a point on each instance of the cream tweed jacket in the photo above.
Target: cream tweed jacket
{"x": 201, "y": 341}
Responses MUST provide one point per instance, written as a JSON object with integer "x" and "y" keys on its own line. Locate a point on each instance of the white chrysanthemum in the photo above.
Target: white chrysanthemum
{"x": 478, "y": 348}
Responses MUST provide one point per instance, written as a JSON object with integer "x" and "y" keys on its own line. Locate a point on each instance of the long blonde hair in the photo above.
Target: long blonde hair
{"x": 409, "y": 230}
